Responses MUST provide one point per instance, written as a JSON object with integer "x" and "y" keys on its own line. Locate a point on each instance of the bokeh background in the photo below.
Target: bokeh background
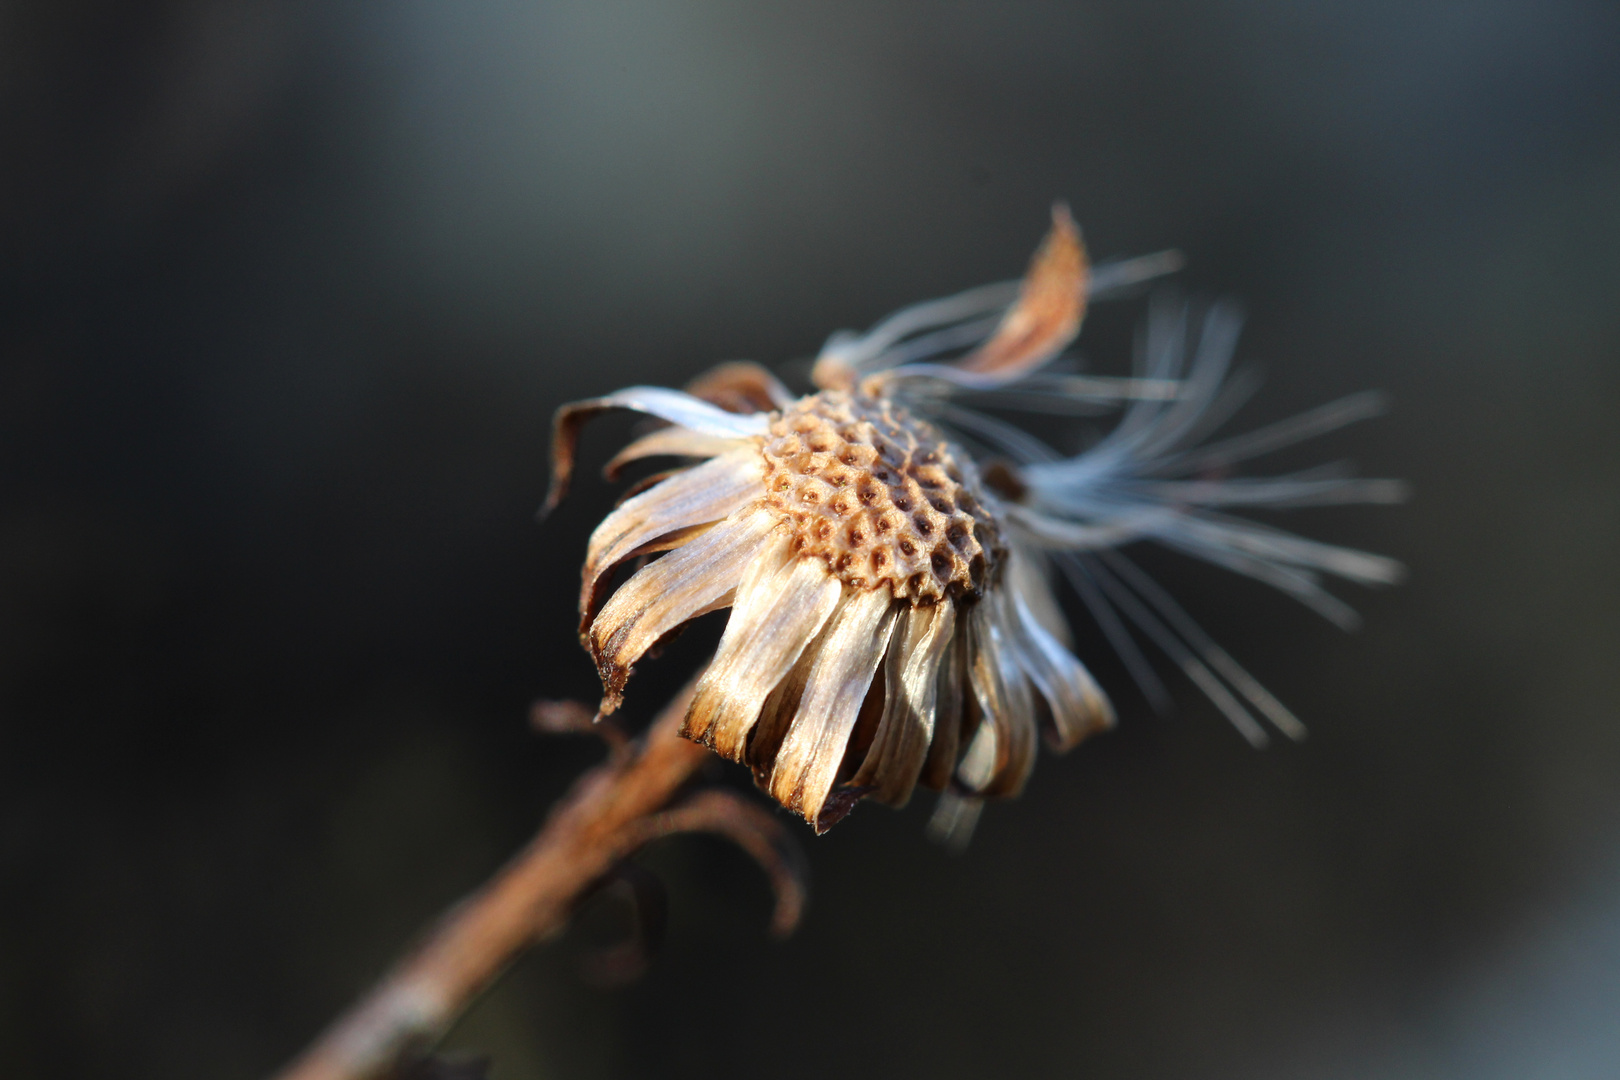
{"x": 291, "y": 289}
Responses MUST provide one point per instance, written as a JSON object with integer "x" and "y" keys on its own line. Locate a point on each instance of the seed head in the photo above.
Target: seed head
{"x": 880, "y": 497}
{"x": 892, "y": 620}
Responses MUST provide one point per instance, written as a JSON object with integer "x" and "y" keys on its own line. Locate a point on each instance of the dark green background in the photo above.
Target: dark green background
{"x": 288, "y": 292}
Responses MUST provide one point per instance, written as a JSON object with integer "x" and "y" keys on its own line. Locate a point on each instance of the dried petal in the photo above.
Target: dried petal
{"x": 741, "y": 386}
{"x": 781, "y": 606}
{"x": 911, "y": 684}
{"x": 1078, "y": 706}
{"x": 1050, "y": 305}
{"x": 695, "y": 497}
{"x": 1002, "y": 753}
{"x": 948, "y": 702}
{"x": 671, "y": 442}
{"x": 807, "y": 763}
{"x": 667, "y": 592}
{"x": 671, "y": 405}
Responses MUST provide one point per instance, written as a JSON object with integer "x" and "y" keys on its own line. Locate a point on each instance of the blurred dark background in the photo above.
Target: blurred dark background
{"x": 290, "y": 290}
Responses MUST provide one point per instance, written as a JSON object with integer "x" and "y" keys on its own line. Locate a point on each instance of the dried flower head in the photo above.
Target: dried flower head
{"x": 892, "y": 620}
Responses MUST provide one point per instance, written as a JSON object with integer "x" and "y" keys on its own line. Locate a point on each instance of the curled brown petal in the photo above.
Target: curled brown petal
{"x": 1050, "y": 305}
{"x": 741, "y": 386}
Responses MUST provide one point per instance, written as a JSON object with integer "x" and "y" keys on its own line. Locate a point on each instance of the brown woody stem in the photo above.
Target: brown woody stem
{"x": 602, "y": 819}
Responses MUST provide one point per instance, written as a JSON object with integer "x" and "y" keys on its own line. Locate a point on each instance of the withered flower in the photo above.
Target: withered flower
{"x": 892, "y": 620}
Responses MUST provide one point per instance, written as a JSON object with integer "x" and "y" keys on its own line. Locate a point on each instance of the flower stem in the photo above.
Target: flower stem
{"x": 602, "y": 819}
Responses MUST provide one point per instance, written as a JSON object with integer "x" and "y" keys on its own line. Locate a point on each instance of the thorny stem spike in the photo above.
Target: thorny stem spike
{"x": 610, "y": 812}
